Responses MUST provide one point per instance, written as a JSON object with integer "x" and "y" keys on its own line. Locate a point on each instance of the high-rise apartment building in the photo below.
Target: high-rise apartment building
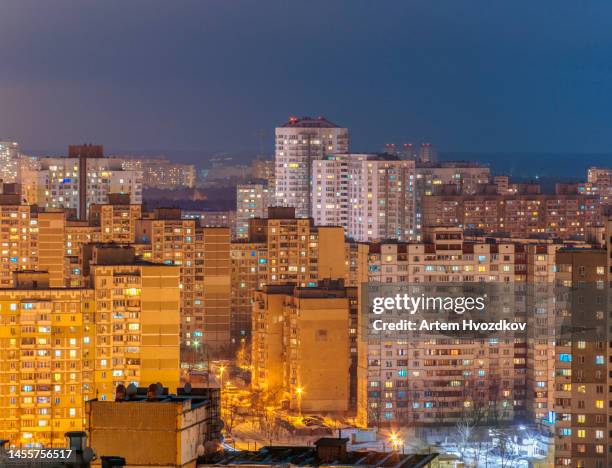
{"x": 47, "y": 241}
{"x": 117, "y": 219}
{"x": 520, "y": 215}
{"x": 301, "y": 345}
{"x": 60, "y": 347}
{"x": 329, "y": 197}
{"x": 465, "y": 177}
{"x": 19, "y": 227}
{"x": 28, "y": 179}
{"x": 160, "y": 173}
{"x": 599, "y": 183}
{"x": 536, "y": 263}
{"x": 299, "y": 142}
{"x": 582, "y": 361}
{"x": 43, "y": 360}
{"x": 204, "y": 260}
{"x": 252, "y": 201}
{"x": 172, "y": 241}
{"x": 81, "y": 179}
{"x": 31, "y": 240}
{"x": 600, "y": 176}
{"x": 372, "y": 196}
{"x": 213, "y": 250}
{"x": 298, "y": 251}
{"x": 249, "y": 262}
{"x": 137, "y": 321}
{"x": 9, "y": 161}
{"x": 282, "y": 249}
{"x": 381, "y": 198}
{"x": 50, "y": 241}
{"x": 424, "y": 381}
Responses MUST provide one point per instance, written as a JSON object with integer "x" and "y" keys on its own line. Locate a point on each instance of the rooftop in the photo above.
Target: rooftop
{"x": 307, "y": 456}
{"x": 308, "y": 122}
{"x": 155, "y": 393}
{"x": 589, "y": 249}
{"x": 364, "y": 156}
{"x": 451, "y": 164}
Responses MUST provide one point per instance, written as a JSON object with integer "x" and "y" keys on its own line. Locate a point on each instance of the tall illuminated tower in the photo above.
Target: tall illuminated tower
{"x": 299, "y": 142}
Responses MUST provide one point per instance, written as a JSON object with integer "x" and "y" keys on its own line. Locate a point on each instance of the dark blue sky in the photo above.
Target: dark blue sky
{"x": 205, "y": 75}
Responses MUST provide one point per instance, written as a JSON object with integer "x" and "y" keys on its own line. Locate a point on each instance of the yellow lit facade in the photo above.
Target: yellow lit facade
{"x": 203, "y": 256}
{"x": 78, "y": 234}
{"x": 31, "y": 240}
{"x": 137, "y": 323}
{"x": 282, "y": 250}
{"x": 301, "y": 345}
{"x": 45, "y": 355}
{"x": 17, "y": 250}
{"x": 173, "y": 242}
{"x": 116, "y": 222}
{"x": 60, "y": 347}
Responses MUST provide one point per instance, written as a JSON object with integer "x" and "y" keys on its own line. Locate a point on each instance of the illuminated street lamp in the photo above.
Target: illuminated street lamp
{"x": 221, "y": 371}
{"x": 195, "y": 344}
{"x": 395, "y": 441}
{"x": 299, "y": 391}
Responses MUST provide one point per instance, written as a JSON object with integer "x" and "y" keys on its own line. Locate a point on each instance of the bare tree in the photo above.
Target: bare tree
{"x": 503, "y": 448}
{"x": 475, "y": 411}
{"x": 469, "y": 438}
{"x": 230, "y": 412}
{"x": 494, "y": 391}
{"x": 268, "y": 424}
{"x": 480, "y": 448}
{"x": 243, "y": 355}
{"x": 465, "y": 434}
{"x": 263, "y": 405}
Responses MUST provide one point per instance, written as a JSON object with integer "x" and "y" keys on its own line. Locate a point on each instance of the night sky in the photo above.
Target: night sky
{"x": 207, "y": 76}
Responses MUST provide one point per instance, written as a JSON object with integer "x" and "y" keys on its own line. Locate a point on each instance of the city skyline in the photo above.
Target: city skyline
{"x": 105, "y": 300}
{"x": 380, "y": 234}
{"x": 525, "y": 165}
